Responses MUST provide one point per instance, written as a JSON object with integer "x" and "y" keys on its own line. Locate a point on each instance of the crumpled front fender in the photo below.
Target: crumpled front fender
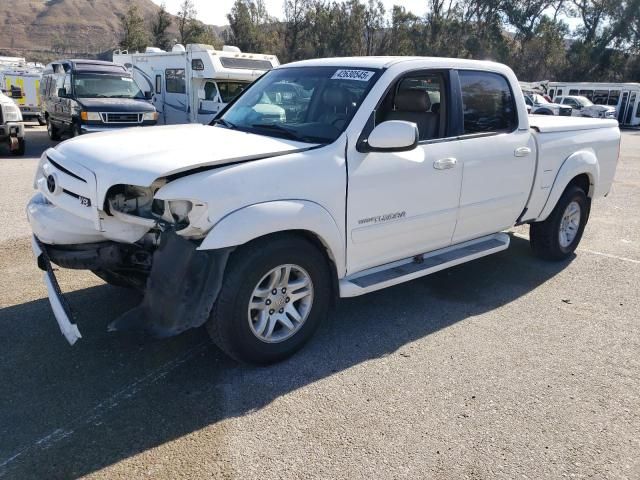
{"x": 181, "y": 289}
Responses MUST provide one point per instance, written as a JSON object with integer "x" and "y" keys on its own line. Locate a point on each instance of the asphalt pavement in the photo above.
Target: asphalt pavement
{"x": 507, "y": 367}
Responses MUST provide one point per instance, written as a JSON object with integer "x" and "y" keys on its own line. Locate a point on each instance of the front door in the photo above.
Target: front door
{"x": 624, "y": 104}
{"x": 402, "y": 204}
{"x": 209, "y": 103}
{"x": 497, "y": 156}
{"x": 630, "y": 108}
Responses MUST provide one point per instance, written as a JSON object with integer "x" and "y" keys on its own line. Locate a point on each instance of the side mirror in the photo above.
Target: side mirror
{"x": 148, "y": 95}
{"x": 62, "y": 92}
{"x": 392, "y": 136}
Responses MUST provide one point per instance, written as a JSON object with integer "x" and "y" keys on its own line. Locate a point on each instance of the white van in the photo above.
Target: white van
{"x": 192, "y": 84}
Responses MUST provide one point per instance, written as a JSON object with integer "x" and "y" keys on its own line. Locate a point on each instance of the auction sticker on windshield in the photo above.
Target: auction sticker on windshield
{"x": 359, "y": 75}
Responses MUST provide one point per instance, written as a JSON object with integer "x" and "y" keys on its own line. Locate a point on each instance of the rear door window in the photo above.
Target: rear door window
{"x": 488, "y": 103}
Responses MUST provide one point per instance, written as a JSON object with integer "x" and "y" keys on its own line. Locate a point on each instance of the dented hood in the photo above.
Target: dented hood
{"x": 138, "y": 156}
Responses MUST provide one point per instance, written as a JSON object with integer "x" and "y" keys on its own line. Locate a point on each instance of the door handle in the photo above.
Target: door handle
{"x": 445, "y": 163}
{"x": 522, "y": 151}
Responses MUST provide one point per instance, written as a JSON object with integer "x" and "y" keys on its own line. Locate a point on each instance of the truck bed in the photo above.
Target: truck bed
{"x": 559, "y": 139}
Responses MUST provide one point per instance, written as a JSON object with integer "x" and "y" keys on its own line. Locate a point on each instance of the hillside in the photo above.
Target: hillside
{"x": 45, "y": 29}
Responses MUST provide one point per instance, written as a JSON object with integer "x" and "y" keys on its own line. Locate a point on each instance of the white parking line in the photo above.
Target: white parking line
{"x": 586, "y": 250}
{"x": 106, "y": 405}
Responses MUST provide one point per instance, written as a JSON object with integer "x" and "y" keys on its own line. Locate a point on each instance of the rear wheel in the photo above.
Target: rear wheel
{"x": 559, "y": 235}
{"x": 274, "y": 297}
{"x": 52, "y": 130}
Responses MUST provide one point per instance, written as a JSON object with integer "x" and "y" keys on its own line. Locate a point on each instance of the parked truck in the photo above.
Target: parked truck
{"x": 192, "y": 84}
{"x": 24, "y": 82}
{"x": 11, "y": 126}
{"x": 325, "y": 178}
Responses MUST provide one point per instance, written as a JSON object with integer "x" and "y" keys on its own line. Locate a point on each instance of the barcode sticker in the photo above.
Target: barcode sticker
{"x": 359, "y": 75}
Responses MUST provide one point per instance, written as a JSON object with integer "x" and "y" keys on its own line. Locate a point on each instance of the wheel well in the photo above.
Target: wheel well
{"x": 583, "y": 182}
{"x": 316, "y": 241}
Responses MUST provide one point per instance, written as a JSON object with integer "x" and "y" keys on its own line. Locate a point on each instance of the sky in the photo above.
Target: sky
{"x": 214, "y": 12}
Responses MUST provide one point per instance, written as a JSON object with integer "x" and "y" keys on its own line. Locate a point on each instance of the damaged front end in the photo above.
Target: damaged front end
{"x": 179, "y": 282}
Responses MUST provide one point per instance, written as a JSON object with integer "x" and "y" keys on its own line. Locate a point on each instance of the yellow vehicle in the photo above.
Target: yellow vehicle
{"x": 22, "y": 83}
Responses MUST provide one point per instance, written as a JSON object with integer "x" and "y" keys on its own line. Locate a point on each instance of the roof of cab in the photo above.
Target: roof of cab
{"x": 386, "y": 62}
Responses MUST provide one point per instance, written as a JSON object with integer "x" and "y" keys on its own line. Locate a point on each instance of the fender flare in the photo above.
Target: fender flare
{"x": 260, "y": 219}
{"x": 578, "y": 163}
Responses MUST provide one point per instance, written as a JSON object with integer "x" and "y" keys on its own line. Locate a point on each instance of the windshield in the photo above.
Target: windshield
{"x": 584, "y": 101}
{"x": 308, "y": 104}
{"x": 230, "y": 90}
{"x": 97, "y": 85}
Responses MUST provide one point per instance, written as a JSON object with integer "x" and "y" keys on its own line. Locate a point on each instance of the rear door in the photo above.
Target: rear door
{"x": 176, "y": 103}
{"x": 496, "y": 155}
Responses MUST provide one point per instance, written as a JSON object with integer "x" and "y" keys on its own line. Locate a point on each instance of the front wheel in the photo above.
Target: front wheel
{"x": 41, "y": 121}
{"x": 76, "y": 131}
{"x": 19, "y": 152}
{"x": 52, "y": 130}
{"x": 559, "y": 235}
{"x": 274, "y": 296}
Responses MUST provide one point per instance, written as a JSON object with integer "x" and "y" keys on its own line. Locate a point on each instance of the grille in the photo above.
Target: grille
{"x": 121, "y": 117}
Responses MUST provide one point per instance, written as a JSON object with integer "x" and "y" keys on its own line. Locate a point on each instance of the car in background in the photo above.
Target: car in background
{"x": 583, "y": 107}
{"x": 81, "y": 96}
{"x": 541, "y": 106}
{"x": 11, "y": 126}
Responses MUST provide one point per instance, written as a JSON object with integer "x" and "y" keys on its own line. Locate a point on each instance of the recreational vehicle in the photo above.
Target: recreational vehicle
{"x": 192, "y": 84}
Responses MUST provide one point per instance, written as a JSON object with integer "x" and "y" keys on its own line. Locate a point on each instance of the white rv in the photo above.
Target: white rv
{"x": 192, "y": 84}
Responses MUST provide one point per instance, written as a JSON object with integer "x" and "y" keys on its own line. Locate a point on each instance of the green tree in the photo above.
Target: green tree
{"x": 159, "y": 27}
{"x": 189, "y": 28}
{"x": 134, "y": 33}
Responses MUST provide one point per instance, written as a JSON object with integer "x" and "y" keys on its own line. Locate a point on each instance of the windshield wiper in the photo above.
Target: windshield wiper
{"x": 225, "y": 123}
{"x": 120, "y": 96}
{"x": 278, "y": 128}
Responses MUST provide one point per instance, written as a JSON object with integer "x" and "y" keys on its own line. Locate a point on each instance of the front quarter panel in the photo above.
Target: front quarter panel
{"x": 254, "y": 198}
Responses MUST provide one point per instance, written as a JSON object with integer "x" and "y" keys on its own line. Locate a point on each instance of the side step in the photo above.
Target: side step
{"x": 425, "y": 264}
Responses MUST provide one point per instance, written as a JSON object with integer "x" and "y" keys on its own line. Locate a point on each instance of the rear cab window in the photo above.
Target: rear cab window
{"x": 488, "y": 103}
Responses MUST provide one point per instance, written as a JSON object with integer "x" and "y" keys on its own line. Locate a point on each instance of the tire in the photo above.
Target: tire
{"x": 235, "y": 327}
{"x": 41, "y": 121}
{"x": 52, "y": 130}
{"x": 545, "y": 237}
{"x": 76, "y": 131}
{"x": 22, "y": 145}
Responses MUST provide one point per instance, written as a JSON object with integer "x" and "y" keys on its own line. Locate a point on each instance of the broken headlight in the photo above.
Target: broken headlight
{"x": 173, "y": 211}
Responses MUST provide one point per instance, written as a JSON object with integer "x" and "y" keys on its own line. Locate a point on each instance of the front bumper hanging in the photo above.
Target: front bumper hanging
{"x": 180, "y": 291}
{"x": 59, "y": 305}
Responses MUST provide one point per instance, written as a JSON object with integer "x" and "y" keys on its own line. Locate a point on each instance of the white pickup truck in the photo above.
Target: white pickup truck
{"x": 325, "y": 178}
